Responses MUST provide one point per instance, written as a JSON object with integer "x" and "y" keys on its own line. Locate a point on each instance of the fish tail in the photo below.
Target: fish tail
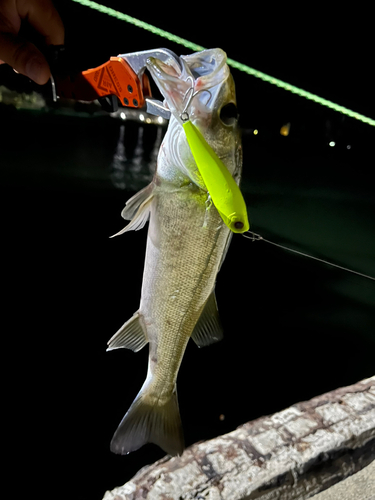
{"x": 150, "y": 421}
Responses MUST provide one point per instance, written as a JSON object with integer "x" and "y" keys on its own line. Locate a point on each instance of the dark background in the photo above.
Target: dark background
{"x": 294, "y": 327}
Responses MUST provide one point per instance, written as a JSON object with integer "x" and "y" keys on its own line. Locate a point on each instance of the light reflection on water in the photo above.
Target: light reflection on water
{"x": 131, "y": 169}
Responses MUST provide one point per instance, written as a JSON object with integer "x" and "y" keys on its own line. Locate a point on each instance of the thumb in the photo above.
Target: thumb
{"x": 24, "y": 57}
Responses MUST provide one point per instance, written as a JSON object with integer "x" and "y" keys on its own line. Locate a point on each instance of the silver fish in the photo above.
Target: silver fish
{"x": 186, "y": 245}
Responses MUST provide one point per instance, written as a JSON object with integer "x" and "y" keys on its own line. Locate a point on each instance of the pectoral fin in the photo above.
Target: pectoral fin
{"x": 132, "y": 335}
{"x": 208, "y": 328}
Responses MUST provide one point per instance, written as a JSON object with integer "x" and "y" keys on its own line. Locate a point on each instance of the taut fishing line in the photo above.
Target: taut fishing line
{"x": 250, "y": 235}
{"x": 235, "y": 64}
{"x": 257, "y": 74}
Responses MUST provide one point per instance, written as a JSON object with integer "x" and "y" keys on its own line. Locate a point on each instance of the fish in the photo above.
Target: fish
{"x": 187, "y": 242}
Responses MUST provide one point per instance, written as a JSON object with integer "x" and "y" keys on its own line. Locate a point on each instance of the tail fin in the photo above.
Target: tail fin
{"x": 150, "y": 423}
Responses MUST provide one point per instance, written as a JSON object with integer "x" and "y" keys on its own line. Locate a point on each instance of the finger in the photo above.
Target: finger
{"x": 24, "y": 57}
{"x": 42, "y": 15}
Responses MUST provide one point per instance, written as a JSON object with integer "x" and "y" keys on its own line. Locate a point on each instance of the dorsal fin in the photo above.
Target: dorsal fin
{"x": 132, "y": 335}
{"x": 140, "y": 218}
{"x": 208, "y": 328}
{"x": 133, "y": 204}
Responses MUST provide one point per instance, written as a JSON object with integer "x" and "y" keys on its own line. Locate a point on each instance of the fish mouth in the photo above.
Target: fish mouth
{"x": 208, "y": 68}
{"x": 199, "y": 72}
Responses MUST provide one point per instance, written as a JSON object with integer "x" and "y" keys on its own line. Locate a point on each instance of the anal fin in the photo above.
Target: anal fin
{"x": 132, "y": 335}
{"x": 208, "y": 328}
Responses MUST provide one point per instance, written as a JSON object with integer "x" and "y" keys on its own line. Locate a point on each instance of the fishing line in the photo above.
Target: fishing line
{"x": 252, "y": 72}
{"x": 257, "y": 237}
{"x": 237, "y": 65}
{"x": 140, "y": 24}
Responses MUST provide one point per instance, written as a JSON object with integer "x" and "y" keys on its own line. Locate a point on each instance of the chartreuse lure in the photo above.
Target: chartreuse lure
{"x": 224, "y": 192}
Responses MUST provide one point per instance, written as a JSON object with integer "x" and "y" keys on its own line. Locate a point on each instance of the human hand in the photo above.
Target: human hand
{"x": 19, "y": 53}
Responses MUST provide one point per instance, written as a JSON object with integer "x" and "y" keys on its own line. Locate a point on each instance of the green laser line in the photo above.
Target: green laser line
{"x": 237, "y": 65}
{"x": 140, "y": 24}
{"x": 302, "y": 93}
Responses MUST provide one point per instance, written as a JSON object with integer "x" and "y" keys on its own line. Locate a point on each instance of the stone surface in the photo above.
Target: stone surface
{"x": 359, "y": 486}
{"x": 293, "y": 454}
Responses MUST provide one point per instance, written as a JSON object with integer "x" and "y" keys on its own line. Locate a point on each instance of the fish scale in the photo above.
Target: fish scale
{"x": 180, "y": 264}
{"x": 188, "y": 264}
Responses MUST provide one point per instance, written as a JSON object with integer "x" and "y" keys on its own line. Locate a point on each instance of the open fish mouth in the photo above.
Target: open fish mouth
{"x": 200, "y": 72}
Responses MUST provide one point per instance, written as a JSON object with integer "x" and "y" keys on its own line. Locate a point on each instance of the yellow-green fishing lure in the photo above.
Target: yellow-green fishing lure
{"x": 223, "y": 189}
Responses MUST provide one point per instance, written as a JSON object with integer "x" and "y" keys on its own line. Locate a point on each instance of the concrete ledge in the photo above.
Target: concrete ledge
{"x": 293, "y": 454}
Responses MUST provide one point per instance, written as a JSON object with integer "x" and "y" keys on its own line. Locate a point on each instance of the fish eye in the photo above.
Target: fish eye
{"x": 228, "y": 114}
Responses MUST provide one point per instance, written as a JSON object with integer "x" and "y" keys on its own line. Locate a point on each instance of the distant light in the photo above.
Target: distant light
{"x": 222, "y": 417}
{"x": 348, "y": 146}
{"x": 142, "y": 118}
{"x": 160, "y": 119}
{"x": 242, "y": 67}
{"x": 332, "y": 143}
{"x": 255, "y": 131}
{"x": 285, "y": 129}
{"x": 123, "y": 115}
